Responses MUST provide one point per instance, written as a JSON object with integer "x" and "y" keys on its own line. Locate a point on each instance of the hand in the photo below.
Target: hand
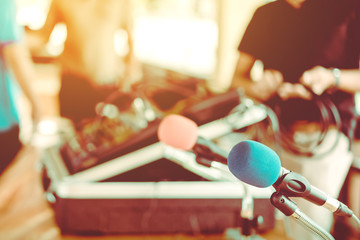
{"x": 268, "y": 85}
{"x": 318, "y": 79}
{"x": 293, "y": 90}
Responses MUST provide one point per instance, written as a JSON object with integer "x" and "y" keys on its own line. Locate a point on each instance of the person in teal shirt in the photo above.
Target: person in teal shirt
{"x": 16, "y": 74}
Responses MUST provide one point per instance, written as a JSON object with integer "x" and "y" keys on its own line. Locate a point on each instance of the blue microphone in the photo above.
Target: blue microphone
{"x": 258, "y": 165}
{"x": 254, "y": 163}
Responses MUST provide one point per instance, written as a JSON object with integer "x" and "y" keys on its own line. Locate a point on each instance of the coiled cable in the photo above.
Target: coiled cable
{"x": 328, "y": 114}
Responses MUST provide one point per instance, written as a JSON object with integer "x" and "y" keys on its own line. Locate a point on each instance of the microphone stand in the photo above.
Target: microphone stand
{"x": 289, "y": 208}
{"x": 248, "y": 223}
{"x": 211, "y": 160}
{"x": 292, "y": 184}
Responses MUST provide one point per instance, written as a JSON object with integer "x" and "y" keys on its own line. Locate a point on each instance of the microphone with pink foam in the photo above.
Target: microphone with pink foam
{"x": 180, "y": 132}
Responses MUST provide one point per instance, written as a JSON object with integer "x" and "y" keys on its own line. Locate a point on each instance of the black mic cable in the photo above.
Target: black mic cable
{"x": 327, "y": 111}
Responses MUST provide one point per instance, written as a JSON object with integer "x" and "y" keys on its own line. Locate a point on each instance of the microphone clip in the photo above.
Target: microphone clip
{"x": 293, "y": 184}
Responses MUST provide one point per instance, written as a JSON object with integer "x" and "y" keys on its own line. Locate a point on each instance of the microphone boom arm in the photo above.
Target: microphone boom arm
{"x": 293, "y": 184}
{"x": 289, "y": 208}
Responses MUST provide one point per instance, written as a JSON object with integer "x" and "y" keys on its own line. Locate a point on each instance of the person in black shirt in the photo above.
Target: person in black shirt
{"x": 309, "y": 50}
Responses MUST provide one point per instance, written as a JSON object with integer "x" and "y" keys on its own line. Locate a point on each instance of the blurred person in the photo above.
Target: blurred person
{"x": 91, "y": 69}
{"x": 16, "y": 70}
{"x": 308, "y": 50}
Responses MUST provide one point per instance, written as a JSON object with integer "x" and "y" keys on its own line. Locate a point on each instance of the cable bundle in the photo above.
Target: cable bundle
{"x": 329, "y": 116}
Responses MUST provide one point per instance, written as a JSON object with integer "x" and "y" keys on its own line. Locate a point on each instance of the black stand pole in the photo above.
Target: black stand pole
{"x": 248, "y": 225}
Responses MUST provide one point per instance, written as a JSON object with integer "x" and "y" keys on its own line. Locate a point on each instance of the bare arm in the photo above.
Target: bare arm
{"x": 18, "y": 60}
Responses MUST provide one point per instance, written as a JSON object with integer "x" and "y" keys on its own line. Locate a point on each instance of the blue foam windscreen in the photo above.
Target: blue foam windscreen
{"x": 254, "y": 163}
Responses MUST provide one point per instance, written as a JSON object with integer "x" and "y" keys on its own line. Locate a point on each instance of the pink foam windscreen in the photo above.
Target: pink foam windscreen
{"x": 178, "y": 131}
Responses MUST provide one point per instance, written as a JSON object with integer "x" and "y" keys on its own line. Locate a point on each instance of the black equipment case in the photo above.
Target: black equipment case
{"x": 155, "y": 189}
